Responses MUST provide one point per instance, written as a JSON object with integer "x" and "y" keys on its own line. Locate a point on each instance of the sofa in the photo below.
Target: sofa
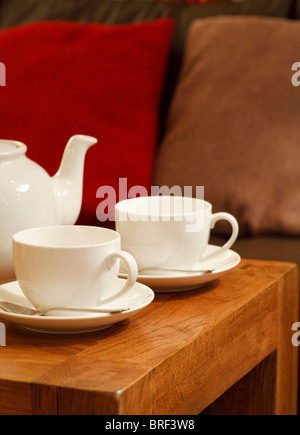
{"x": 211, "y": 103}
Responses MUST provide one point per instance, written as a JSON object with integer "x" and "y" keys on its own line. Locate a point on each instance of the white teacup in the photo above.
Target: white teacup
{"x": 167, "y": 231}
{"x": 70, "y": 266}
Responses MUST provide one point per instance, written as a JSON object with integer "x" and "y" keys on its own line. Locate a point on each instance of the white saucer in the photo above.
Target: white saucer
{"x": 136, "y": 299}
{"x": 167, "y": 281}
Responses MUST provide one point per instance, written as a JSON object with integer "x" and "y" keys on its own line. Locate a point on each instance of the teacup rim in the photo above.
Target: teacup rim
{"x": 118, "y": 206}
{"x": 17, "y": 235}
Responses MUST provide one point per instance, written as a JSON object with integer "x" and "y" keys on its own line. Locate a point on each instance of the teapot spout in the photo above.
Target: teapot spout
{"x": 68, "y": 181}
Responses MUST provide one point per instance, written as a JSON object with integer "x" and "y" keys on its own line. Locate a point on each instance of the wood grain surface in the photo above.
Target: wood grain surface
{"x": 215, "y": 348}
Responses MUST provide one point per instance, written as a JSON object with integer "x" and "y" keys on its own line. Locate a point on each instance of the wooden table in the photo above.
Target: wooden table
{"x": 177, "y": 356}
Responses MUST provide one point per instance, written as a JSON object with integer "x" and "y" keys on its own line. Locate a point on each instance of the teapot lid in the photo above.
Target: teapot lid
{"x": 11, "y": 148}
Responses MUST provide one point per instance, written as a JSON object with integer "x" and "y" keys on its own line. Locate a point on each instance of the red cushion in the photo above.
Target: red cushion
{"x": 67, "y": 78}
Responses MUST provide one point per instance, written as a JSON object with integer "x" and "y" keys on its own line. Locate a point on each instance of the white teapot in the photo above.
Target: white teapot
{"x": 30, "y": 198}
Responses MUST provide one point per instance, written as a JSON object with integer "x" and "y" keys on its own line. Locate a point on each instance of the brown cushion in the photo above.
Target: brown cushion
{"x": 234, "y": 122}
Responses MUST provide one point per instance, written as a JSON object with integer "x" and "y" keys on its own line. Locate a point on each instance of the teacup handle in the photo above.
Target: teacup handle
{"x": 132, "y": 272}
{"x": 235, "y": 231}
